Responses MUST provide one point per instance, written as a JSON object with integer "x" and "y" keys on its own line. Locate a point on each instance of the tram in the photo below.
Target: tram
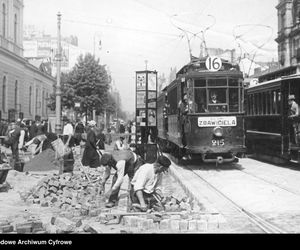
{"x": 270, "y": 132}
{"x": 212, "y": 129}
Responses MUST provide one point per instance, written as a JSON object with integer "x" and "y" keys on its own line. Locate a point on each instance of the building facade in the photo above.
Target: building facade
{"x": 24, "y": 89}
{"x": 288, "y": 38}
{"x": 41, "y": 47}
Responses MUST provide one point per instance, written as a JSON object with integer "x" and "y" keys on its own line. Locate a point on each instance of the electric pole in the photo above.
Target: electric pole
{"x": 58, "y": 129}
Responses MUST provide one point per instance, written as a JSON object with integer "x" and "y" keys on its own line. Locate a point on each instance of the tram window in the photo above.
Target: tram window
{"x": 256, "y": 103}
{"x": 278, "y": 102}
{"x": 172, "y": 99}
{"x": 217, "y": 82}
{"x": 200, "y": 83}
{"x": 267, "y": 96}
{"x": 233, "y": 100}
{"x": 233, "y": 82}
{"x": 200, "y": 100}
{"x": 263, "y": 101}
{"x": 217, "y": 96}
{"x": 274, "y": 106}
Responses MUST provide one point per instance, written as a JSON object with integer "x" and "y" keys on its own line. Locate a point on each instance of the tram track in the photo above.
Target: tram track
{"x": 264, "y": 225}
{"x": 260, "y": 222}
{"x": 271, "y": 183}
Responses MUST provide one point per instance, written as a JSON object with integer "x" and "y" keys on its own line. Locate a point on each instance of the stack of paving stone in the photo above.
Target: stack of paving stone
{"x": 76, "y": 194}
{"x": 177, "y": 203}
{"x": 25, "y": 226}
{"x": 183, "y": 222}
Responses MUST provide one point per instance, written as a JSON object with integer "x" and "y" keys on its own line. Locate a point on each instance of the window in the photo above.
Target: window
{"x": 234, "y": 100}
{"x": 3, "y": 20}
{"x": 30, "y": 100}
{"x": 172, "y": 97}
{"x": 43, "y": 102}
{"x": 16, "y": 28}
{"x": 4, "y": 94}
{"x": 16, "y": 95}
{"x": 200, "y": 100}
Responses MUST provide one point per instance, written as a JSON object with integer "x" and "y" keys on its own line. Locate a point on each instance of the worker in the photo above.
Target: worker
{"x": 125, "y": 162}
{"x": 146, "y": 183}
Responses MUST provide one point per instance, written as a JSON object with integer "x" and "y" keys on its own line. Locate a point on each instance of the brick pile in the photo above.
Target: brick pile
{"x": 76, "y": 194}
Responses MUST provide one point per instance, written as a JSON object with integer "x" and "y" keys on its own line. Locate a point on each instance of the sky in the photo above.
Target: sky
{"x": 140, "y": 34}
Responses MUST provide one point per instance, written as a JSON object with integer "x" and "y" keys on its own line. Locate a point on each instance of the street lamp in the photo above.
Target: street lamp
{"x": 58, "y": 87}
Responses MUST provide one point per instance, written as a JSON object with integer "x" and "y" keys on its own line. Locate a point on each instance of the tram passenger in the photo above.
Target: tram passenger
{"x": 146, "y": 183}
{"x": 185, "y": 106}
{"x": 213, "y": 98}
{"x": 293, "y": 113}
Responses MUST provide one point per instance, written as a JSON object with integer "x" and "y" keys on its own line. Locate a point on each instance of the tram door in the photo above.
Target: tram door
{"x": 293, "y": 122}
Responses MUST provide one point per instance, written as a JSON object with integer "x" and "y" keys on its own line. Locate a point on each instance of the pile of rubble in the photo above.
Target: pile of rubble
{"x": 77, "y": 193}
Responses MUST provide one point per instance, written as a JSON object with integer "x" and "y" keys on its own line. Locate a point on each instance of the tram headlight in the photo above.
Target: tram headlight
{"x": 218, "y": 131}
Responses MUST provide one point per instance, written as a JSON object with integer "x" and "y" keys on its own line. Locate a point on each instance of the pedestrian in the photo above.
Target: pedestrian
{"x": 68, "y": 140}
{"x": 146, "y": 183}
{"x": 294, "y": 113}
{"x": 90, "y": 155}
{"x": 100, "y": 144}
{"x": 120, "y": 144}
{"x": 14, "y": 135}
{"x": 78, "y": 131}
{"x": 32, "y": 130}
{"x": 125, "y": 162}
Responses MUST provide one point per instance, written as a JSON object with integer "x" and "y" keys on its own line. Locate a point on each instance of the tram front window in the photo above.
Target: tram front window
{"x": 217, "y": 100}
{"x": 233, "y": 100}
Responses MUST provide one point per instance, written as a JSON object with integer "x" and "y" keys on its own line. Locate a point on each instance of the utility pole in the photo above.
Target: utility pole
{"x": 58, "y": 129}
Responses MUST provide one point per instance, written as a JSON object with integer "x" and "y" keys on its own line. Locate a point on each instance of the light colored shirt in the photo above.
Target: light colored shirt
{"x": 21, "y": 139}
{"x": 294, "y": 109}
{"x": 119, "y": 145}
{"x": 68, "y": 129}
{"x": 146, "y": 179}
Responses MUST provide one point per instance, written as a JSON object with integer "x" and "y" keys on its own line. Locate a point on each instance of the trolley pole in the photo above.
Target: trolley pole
{"x": 58, "y": 87}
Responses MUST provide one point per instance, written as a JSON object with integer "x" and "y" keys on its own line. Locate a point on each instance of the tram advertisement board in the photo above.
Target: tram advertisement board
{"x": 141, "y": 81}
{"x": 141, "y": 99}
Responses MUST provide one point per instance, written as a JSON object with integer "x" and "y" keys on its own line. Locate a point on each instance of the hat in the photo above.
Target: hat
{"x": 105, "y": 159}
{"x": 292, "y": 97}
{"x": 122, "y": 137}
{"x": 92, "y": 123}
{"x": 164, "y": 161}
{"x": 185, "y": 97}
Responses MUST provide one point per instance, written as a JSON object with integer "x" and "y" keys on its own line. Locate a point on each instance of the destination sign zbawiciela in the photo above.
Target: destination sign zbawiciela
{"x": 222, "y": 121}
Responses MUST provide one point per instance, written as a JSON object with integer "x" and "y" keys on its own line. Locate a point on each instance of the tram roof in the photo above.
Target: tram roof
{"x": 270, "y": 82}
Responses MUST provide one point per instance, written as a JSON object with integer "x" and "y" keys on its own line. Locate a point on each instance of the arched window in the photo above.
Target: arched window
{"x": 16, "y": 28}
{"x": 3, "y": 20}
{"x": 30, "y": 99}
{"x": 16, "y": 95}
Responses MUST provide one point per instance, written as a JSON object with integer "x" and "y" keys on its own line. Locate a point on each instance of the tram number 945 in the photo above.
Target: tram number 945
{"x": 216, "y": 143}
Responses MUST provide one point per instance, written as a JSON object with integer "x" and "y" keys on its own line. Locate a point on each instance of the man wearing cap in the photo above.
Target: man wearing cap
{"x": 147, "y": 181}
{"x": 294, "y": 112}
{"x": 125, "y": 162}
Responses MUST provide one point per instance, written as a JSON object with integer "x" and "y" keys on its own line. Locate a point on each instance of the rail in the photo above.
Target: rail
{"x": 260, "y": 222}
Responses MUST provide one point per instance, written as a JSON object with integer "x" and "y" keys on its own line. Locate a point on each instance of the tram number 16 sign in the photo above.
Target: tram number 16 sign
{"x": 213, "y": 63}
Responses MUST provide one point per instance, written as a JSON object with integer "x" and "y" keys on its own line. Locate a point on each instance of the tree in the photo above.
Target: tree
{"x": 87, "y": 83}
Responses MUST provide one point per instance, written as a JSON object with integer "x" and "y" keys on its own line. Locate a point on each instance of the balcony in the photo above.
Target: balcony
{"x": 11, "y": 46}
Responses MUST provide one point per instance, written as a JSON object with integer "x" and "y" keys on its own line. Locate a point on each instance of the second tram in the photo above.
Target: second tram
{"x": 270, "y": 133}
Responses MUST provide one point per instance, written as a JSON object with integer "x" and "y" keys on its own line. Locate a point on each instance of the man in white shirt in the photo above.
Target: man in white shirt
{"x": 147, "y": 182}
{"x": 120, "y": 144}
